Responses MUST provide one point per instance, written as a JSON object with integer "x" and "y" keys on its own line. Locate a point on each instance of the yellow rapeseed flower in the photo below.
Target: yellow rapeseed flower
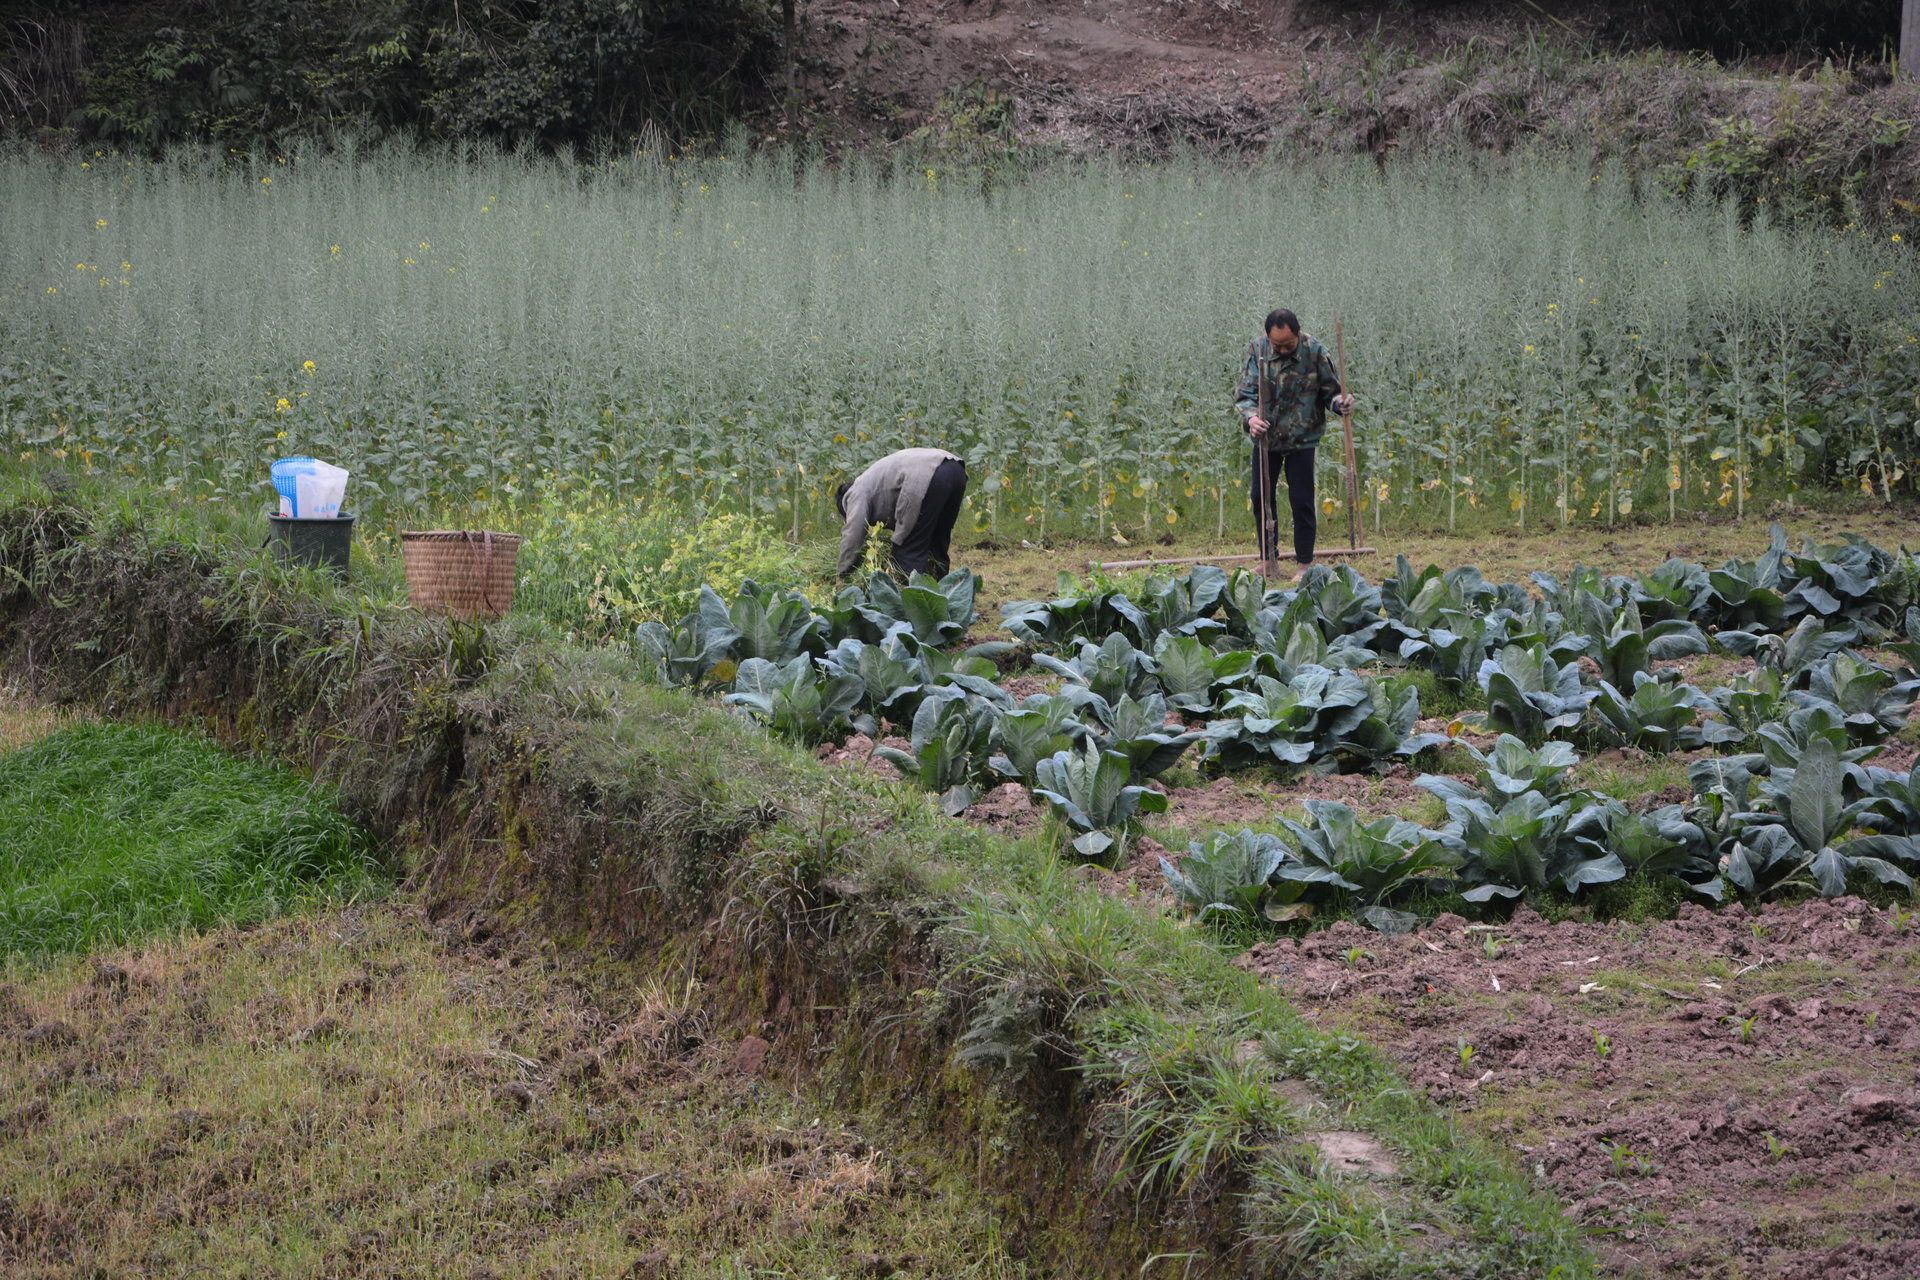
{"x": 283, "y": 405}
{"x": 307, "y": 365}
{"x": 100, "y": 224}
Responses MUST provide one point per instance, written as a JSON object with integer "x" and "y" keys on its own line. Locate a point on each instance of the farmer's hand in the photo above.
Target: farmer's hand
{"x": 1256, "y": 426}
{"x": 1343, "y": 404}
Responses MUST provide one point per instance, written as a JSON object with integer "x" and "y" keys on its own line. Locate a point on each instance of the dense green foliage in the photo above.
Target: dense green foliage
{"x": 116, "y": 832}
{"x": 1731, "y": 28}
{"x": 259, "y": 72}
{"x": 718, "y": 334}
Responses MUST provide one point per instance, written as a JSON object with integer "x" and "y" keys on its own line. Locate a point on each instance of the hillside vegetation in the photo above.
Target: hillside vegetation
{"x": 1790, "y": 100}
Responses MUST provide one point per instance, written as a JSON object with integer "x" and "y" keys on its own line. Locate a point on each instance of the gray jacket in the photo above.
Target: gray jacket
{"x": 890, "y": 492}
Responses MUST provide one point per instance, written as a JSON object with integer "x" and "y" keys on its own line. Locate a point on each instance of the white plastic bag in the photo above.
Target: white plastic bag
{"x": 309, "y": 489}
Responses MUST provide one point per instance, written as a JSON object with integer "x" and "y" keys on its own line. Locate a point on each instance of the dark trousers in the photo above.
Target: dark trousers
{"x": 1298, "y": 466}
{"x": 925, "y": 548}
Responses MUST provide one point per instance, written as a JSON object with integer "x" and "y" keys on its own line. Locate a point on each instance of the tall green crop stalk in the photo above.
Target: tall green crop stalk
{"x": 1740, "y": 375}
{"x": 458, "y": 327}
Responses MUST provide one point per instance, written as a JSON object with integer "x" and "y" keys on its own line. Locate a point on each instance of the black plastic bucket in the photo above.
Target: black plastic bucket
{"x": 323, "y": 544}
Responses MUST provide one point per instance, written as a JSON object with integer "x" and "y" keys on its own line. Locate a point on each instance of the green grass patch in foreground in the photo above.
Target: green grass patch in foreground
{"x": 114, "y": 832}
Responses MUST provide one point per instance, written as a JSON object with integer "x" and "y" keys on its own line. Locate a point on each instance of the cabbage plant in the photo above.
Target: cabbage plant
{"x": 950, "y": 748}
{"x": 1230, "y": 874}
{"x": 1531, "y": 695}
{"x": 796, "y": 701}
{"x": 1087, "y": 789}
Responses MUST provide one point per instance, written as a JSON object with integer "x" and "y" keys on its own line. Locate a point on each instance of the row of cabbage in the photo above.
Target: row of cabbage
{"x": 1756, "y": 824}
{"x": 886, "y": 654}
{"x": 1219, "y": 664}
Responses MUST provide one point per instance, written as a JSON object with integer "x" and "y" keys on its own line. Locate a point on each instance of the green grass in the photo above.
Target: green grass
{"x": 119, "y": 832}
{"x": 718, "y": 334}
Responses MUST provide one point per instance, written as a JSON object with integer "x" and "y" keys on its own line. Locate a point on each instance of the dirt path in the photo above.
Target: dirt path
{"x": 1719, "y": 1095}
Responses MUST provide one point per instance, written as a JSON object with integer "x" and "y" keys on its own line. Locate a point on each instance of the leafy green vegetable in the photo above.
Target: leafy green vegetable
{"x": 796, "y": 701}
{"x": 1530, "y": 695}
{"x": 1137, "y": 729}
{"x": 1893, "y": 801}
{"x": 1747, "y": 596}
{"x": 1806, "y": 813}
{"x": 1627, "y": 648}
{"x": 1527, "y": 843}
{"x": 1752, "y": 700}
{"x": 1874, "y": 702}
{"x": 775, "y": 625}
{"x": 1112, "y": 669}
{"x": 1087, "y": 789}
{"x": 1908, "y": 650}
{"x": 1361, "y": 863}
{"x": 1678, "y": 589}
{"x": 952, "y": 735}
{"x": 1228, "y": 874}
{"x": 1783, "y": 742}
{"x": 1042, "y": 725}
{"x": 1175, "y": 606}
{"x": 1190, "y": 672}
{"x": 1661, "y": 717}
{"x": 1346, "y": 606}
{"x": 1079, "y": 612}
{"x": 1510, "y": 769}
{"x": 685, "y": 654}
{"x": 938, "y": 613}
{"x": 1793, "y": 654}
{"x": 1660, "y": 843}
{"x": 1852, "y": 580}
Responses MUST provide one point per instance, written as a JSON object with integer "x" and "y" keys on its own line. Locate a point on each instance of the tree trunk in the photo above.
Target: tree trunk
{"x": 1910, "y": 40}
{"x": 790, "y": 37}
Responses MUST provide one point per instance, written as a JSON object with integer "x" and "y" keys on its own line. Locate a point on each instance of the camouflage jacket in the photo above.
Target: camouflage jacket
{"x": 1300, "y": 387}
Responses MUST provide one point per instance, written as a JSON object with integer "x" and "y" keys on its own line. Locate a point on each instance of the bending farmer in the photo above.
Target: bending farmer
{"x": 1287, "y": 385}
{"x": 916, "y": 493}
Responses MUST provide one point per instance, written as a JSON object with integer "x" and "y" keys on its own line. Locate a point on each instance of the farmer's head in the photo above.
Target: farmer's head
{"x": 840, "y": 499}
{"x": 1283, "y": 330}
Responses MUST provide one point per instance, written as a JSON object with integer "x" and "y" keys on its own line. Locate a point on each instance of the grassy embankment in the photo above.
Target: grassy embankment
{"x": 1108, "y": 1072}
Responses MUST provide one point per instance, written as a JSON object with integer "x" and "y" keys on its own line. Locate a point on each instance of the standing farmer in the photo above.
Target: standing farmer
{"x": 1287, "y": 385}
{"x": 916, "y": 493}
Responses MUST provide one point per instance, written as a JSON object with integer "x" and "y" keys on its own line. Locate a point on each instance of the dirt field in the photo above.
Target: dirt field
{"x": 1725, "y": 1094}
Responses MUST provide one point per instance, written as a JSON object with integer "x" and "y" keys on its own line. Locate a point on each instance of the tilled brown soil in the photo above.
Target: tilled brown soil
{"x": 1732, "y": 1094}
{"x": 1722, "y": 1095}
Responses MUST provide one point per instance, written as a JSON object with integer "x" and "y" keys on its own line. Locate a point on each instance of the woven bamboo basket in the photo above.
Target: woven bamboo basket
{"x": 462, "y": 572}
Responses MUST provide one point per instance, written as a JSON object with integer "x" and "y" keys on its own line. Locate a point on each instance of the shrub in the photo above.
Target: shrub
{"x": 598, "y": 566}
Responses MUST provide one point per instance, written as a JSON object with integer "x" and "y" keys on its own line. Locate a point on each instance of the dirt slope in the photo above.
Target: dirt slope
{"x": 1096, "y": 72}
{"x": 1285, "y": 77}
{"x": 1722, "y": 1095}
{"x": 1080, "y": 71}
